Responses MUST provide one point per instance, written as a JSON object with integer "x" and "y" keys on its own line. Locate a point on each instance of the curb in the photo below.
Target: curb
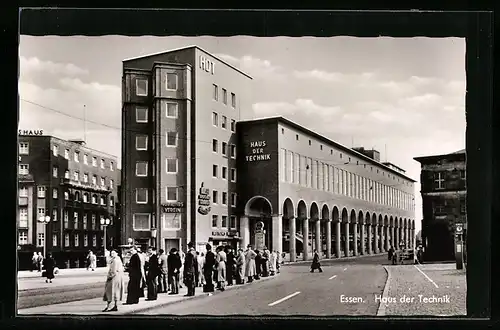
{"x": 335, "y": 259}
{"x": 382, "y": 307}
{"x": 204, "y": 294}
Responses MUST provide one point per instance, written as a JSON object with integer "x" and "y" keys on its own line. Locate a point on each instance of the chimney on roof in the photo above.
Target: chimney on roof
{"x": 373, "y": 154}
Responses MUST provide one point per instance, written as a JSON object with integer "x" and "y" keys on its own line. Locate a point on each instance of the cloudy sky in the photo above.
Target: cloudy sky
{"x": 404, "y": 97}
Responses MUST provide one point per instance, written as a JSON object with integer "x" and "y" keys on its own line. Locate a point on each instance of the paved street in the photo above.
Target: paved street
{"x": 298, "y": 292}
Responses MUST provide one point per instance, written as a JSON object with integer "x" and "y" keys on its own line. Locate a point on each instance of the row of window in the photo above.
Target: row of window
{"x": 224, "y": 149}
{"x": 23, "y": 239}
{"x": 84, "y": 177}
{"x": 224, "y": 221}
{"x": 215, "y": 96}
{"x": 141, "y": 112}
{"x": 170, "y": 221}
{"x": 443, "y": 207}
{"x": 215, "y": 172}
{"x": 223, "y": 122}
{"x": 171, "y": 84}
{"x": 315, "y": 174}
{"x": 76, "y": 158}
{"x": 141, "y": 141}
{"x": 440, "y": 182}
{"x": 23, "y": 192}
{"x": 94, "y": 223}
{"x": 389, "y": 175}
{"x": 141, "y": 167}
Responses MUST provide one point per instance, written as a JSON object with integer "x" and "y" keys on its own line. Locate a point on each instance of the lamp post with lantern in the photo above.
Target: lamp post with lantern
{"x": 44, "y": 220}
{"x": 104, "y": 223}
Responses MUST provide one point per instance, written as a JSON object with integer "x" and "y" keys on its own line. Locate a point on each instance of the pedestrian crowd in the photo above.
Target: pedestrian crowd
{"x": 157, "y": 272}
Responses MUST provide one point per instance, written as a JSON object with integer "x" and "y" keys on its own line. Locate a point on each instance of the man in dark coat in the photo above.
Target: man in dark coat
{"x": 390, "y": 253}
{"x": 174, "y": 266}
{"x": 162, "y": 277}
{"x": 135, "y": 278}
{"x": 191, "y": 270}
{"x": 153, "y": 272}
{"x": 230, "y": 265}
{"x": 208, "y": 269}
{"x": 315, "y": 263}
{"x": 49, "y": 265}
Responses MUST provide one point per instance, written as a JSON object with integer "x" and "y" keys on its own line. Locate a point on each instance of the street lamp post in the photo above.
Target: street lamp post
{"x": 44, "y": 220}
{"x": 104, "y": 224}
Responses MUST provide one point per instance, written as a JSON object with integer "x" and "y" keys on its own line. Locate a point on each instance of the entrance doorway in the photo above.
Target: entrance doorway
{"x": 440, "y": 243}
{"x": 171, "y": 243}
{"x": 259, "y": 211}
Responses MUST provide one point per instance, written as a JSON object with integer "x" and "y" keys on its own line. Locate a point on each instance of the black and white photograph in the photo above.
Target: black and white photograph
{"x": 242, "y": 175}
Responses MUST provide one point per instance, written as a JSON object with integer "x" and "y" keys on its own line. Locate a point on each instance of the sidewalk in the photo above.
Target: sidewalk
{"x": 62, "y": 272}
{"x": 95, "y": 306}
{"x": 426, "y": 290}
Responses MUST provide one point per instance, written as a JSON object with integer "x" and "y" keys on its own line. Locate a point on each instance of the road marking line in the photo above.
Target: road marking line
{"x": 345, "y": 269}
{"x": 426, "y": 276}
{"x": 285, "y": 298}
{"x": 331, "y": 278}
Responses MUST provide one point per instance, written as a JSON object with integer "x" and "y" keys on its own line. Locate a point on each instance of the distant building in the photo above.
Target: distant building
{"x": 443, "y": 189}
{"x": 73, "y": 185}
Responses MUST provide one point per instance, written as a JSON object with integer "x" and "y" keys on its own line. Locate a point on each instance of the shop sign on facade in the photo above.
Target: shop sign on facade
{"x": 230, "y": 233}
{"x": 204, "y": 200}
{"x": 207, "y": 65}
{"x": 258, "y": 152}
{"x": 30, "y": 132}
{"x": 175, "y": 207}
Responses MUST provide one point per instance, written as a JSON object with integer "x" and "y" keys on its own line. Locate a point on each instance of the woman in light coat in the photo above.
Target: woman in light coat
{"x": 240, "y": 267}
{"x": 92, "y": 261}
{"x": 114, "y": 288}
{"x": 272, "y": 263}
{"x": 220, "y": 261}
{"x": 201, "y": 262}
{"x": 250, "y": 269}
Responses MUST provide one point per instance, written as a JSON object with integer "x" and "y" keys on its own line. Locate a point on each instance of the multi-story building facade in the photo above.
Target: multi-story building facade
{"x": 180, "y": 110}
{"x": 299, "y": 189}
{"x": 443, "y": 189}
{"x": 75, "y": 187}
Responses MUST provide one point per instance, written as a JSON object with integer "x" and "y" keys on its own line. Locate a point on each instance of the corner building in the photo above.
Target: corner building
{"x": 179, "y": 116}
{"x": 299, "y": 191}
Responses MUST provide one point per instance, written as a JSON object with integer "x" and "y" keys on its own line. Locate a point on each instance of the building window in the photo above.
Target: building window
{"x": 41, "y": 239}
{"x": 215, "y": 145}
{"x": 282, "y": 131}
{"x": 55, "y": 171}
{"x": 66, "y": 153}
{"x": 233, "y": 125}
{"x": 233, "y": 199}
{"x": 171, "y": 165}
{"x": 103, "y": 164}
{"x": 76, "y": 156}
{"x": 41, "y": 212}
{"x": 94, "y": 222}
{"x": 23, "y": 192}
{"x": 66, "y": 240}
{"x": 141, "y": 87}
{"x": 76, "y": 176}
{"x": 463, "y": 206}
{"x": 23, "y": 217}
{"x": 224, "y": 198}
{"x": 171, "y": 139}
{"x": 94, "y": 240}
{"x": 75, "y": 220}
{"x": 172, "y": 110}
{"x": 462, "y": 174}
{"x": 111, "y": 202}
{"x": 438, "y": 209}
{"x": 224, "y": 96}
{"x": 141, "y": 168}
{"x": 224, "y": 172}
{"x": 172, "y": 80}
{"x": 142, "y": 221}
{"x": 24, "y": 148}
{"x": 233, "y": 100}
{"x": 224, "y": 148}
{"x": 85, "y": 177}
{"x": 85, "y": 197}
{"x": 141, "y": 142}
{"x": 55, "y": 150}
{"x": 215, "y": 196}
{"x": 141, "y": 115}
{"x": 86, "y": 159}
{"x": 224, "y": 122}
{"x": 111, "y": 183}
{"x": 141, "y": 196}
{"x": 215, "y": 220}
{"x": 94, "y": 199}
{"x": 439, "y": 180}
{"x": 311, "y": 142}
{"x": 66, "y": 219}
{"x": 215, "y": 170}
{"x": 103, "y": 201}
{"x": 215, "y": 119}
{"x": 103, "y": 182}
{"x": 296, "y": 137}
{"x": 66, "y": 174}
{"x": 23, "y": 169}
{"x": 171, "y": 221}
{"x": 224, "y": 221}
{"x": 233, "y": 151}
{"x": 41, "y": 191}
{"x": 54, "y": 239}
{"x": 233, "y": 175}
{"x": 215, "y": 92}
{"x": 172, "y": 194}
{"x": 84, "y": 221}
{"x": 232, "y": 222}
{"x": 94, "y": 180}
{"x": 85, "y": 240}
{"x": 54, "y": 193}
{"x": 94, "y": 161}
{"x": 23, "y": 237}
{"x": 111, "y": 166}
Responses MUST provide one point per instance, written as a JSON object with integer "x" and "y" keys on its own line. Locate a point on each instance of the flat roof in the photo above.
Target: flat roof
{"x": 328, "y": 141}
{"x": 188, "y": 47}
{"x": 456, "y": 155}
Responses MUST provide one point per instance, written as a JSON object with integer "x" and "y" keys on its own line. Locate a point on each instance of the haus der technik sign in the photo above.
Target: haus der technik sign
{"x": 258, "y": 152}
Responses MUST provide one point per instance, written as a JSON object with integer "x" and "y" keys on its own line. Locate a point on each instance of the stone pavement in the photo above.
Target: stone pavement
{"x": 62, "y": 272}
{"x": 428, "y": 289}
{"x": 300, "y": 261}
{"x": 96, "y": 305}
